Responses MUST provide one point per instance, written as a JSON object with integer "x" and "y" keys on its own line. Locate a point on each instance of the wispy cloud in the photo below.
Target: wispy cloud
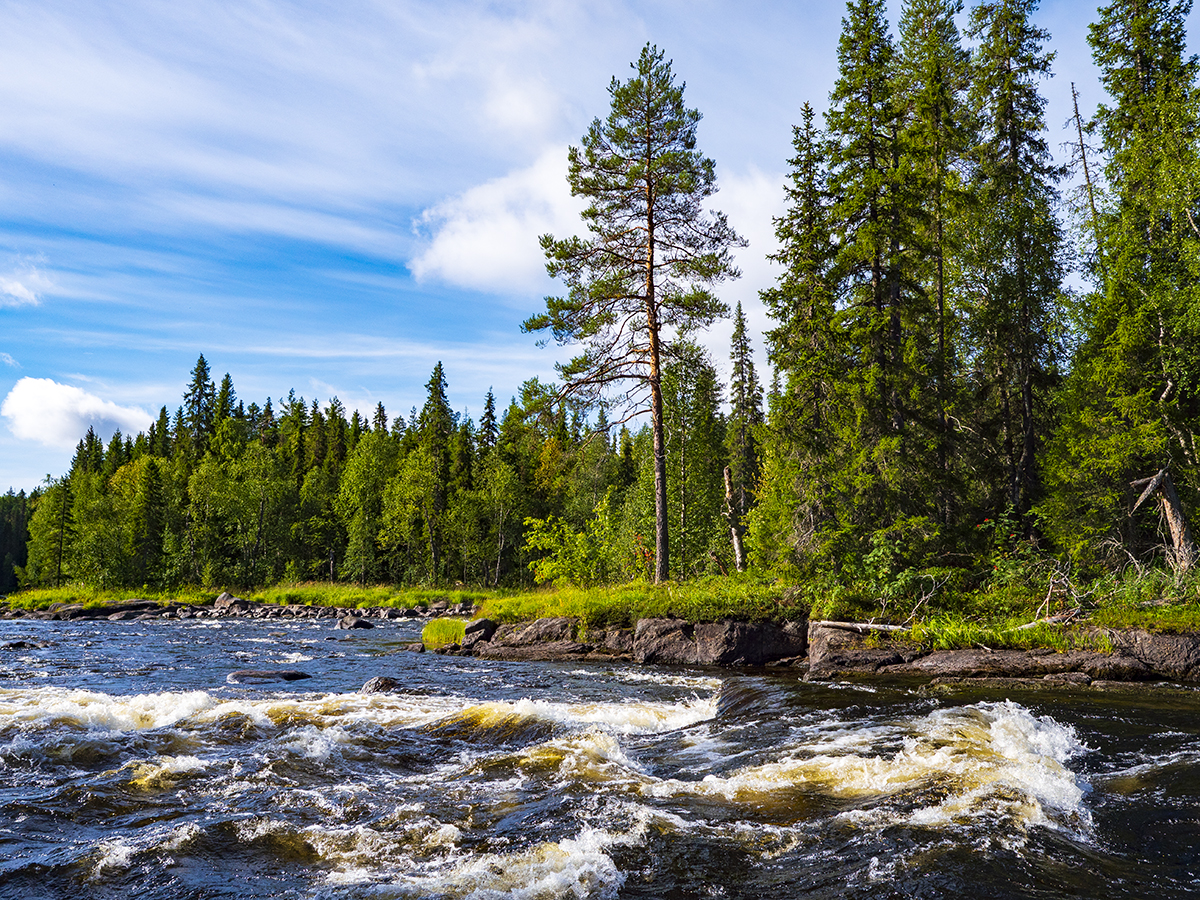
{"x": 57, "y": 415}
{"x": 8, "y": 360}
{"x": 23, "y": 285}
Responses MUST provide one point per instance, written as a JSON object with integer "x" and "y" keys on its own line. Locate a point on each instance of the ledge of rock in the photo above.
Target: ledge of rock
{"x": 1136, "y": 656}
{"x": 1174, "y": 656}
{"x": 978, "y": 663}
{"x": 725, "y": 643}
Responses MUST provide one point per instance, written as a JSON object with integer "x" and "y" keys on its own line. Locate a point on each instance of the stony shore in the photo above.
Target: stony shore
{"x": 827, "y": 650}
{"x": 817, "y": 650}
{"x": 229, "y": 606}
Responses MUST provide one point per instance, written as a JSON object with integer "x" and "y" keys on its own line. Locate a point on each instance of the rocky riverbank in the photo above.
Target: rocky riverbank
{"x": 827, "y": 650}
{"x": 817, "y": 650}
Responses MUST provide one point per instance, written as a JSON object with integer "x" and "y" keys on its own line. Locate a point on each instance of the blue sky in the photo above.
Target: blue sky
{"x": 333, "y": 196}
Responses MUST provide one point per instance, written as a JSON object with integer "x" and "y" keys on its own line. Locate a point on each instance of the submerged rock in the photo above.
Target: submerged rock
{"x": 381, "y": 684}
{"x": 255, "y": 676}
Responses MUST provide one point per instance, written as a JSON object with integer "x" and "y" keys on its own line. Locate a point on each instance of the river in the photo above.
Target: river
{"x": 130, "y": 768}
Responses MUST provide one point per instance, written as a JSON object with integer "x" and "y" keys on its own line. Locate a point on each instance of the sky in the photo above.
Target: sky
{"x": 331, "y": 197}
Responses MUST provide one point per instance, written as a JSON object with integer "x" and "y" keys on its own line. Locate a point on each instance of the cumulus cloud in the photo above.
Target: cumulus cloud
{"x": 23, "y": 286}
{"x": 487, "y": 237}
{"x": 58, "y": 415}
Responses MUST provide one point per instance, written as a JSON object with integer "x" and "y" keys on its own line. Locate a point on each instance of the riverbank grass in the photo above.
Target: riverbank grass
{"x": 744, "y": 597}
{"x": 443, "y": 632}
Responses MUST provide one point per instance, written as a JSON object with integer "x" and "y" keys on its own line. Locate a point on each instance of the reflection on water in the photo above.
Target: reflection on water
{"x": 128, "y": 766}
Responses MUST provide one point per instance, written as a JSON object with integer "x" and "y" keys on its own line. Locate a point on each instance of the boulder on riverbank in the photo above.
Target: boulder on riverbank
{"x": 726, "y": 643}
{"x": 550, "y": 640}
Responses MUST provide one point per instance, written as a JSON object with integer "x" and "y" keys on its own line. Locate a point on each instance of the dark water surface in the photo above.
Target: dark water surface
{"x": 130, "y": 768}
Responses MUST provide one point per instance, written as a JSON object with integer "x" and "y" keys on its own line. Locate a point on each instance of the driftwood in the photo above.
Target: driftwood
{"x": 1184, "y": 553}
{"x": 1059, "y": 619}
{"x": 860, "y": 627}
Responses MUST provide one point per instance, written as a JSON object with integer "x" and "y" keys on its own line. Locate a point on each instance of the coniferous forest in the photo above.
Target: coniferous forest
{"x": 942, "y": 409}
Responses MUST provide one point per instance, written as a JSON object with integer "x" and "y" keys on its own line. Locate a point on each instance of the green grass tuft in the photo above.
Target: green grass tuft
{"x": 442, "y": 632}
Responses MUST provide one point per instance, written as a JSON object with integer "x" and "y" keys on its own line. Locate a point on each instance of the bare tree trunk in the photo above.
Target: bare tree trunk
{"x": 735, "y": 525}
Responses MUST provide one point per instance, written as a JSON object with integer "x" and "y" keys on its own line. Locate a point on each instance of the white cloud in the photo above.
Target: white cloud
{"x": 8, "y": 360}
{"x": 58, "y": 415}
{"x": 23, "y": 286}
{"x": 487, "y": 237}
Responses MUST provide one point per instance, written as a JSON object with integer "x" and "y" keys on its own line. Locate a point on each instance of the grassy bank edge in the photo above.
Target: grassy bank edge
{"x": 955, "y": 619}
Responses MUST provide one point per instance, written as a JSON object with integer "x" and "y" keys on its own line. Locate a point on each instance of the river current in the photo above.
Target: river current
{"x": 131, "y": 768}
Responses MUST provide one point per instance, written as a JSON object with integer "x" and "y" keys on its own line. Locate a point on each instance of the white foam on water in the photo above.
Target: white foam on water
{"x": 97, "y": 711}
{"x": 294, "y": 658}
{"x": 579, "y": 867}
{"x": 315, "y": 743}
{"x": 629, "y": 717}
{"x": 158, "y": 772}
{"x": 114, "y": 854}
{"x": 991, "y": 760}
{"x": 594, "y": 755}
{"x": 182, "y": 836}
{"x": 1020, "y": 769}
{"x": 635, "y": 676}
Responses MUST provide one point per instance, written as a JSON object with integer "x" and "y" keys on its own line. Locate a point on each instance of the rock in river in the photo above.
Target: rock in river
{"x": 258, "y": 676}
{"x": 381, "y": 684}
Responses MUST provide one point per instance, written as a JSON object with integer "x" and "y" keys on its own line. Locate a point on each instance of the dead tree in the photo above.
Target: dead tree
{"x": 1183, "y": 553}
{"x": 735, "y": 524}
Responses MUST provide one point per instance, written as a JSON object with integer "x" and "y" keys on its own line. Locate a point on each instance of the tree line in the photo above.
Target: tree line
{"x": 939, "y": 397}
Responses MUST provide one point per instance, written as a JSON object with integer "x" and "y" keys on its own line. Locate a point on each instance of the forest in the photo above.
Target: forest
{"x": 978, "y": 377}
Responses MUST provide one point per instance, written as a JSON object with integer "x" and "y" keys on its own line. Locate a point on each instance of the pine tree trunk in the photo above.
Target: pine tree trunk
{"x": 662, "y": 570}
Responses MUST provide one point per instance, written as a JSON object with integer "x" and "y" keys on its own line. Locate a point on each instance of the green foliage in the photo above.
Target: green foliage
{"x": 582, "y": 558}
{"x": 441, "y": 632}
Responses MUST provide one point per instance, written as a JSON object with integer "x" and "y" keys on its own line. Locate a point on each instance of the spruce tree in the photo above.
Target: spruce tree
{"x": 1133, "y": 397}
{"x": 742, "y": 434}
{"x": 934, "y": 139}
{"x": 160, "y": 444}
{"x": 487, "y": 424}
{"x": 652, "y": 251}
{"x": 225, "y": 403}
{"x": 199, "y": 404}
{"x": 805, "y": 349}
{"x": 1012, "y": 265}
{"x": 883, "y": 480}
{"x": 435, "y": 426}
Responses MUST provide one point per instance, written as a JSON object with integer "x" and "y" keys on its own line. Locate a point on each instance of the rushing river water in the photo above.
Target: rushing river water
{"x": 130, "y": 768}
